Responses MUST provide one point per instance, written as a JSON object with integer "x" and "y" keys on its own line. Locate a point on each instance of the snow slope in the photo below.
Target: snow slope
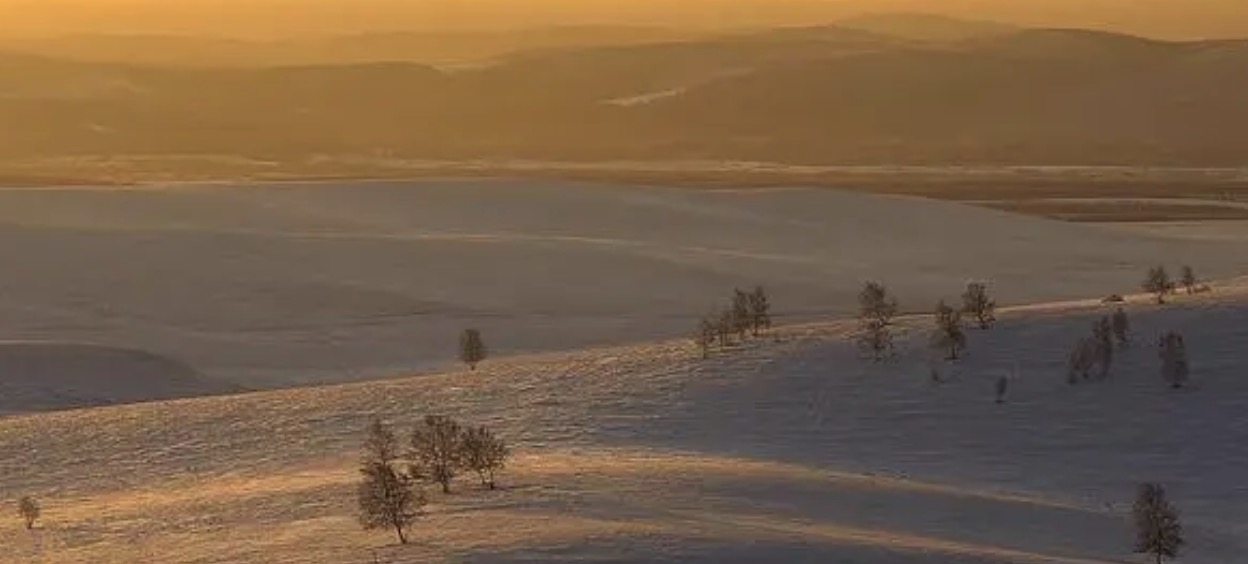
{"x": 789, "y": 449}
{"x": 273, "y": 285}
{"x": 51, "y": 376}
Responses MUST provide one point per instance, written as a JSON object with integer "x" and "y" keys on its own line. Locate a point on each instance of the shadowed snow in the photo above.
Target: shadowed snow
{"x": 790, "y": 447}
{"x": 51, "y": 376}
{"x": 273, "y": 285}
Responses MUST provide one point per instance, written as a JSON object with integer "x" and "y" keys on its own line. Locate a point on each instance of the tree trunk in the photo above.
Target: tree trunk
{"x": 402, "y": 537}
{"x": 446, "y": 486}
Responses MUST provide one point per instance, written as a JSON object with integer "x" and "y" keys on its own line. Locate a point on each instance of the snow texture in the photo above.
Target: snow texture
{"x": 278, "y": 285}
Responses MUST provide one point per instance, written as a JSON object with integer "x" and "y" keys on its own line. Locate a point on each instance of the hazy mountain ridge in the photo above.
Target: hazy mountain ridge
{"x": 1179, "y": 19}
{"x": 827, "y": 95}
{"x": 429, "y": 47}
{"x": 927, "y": 27}
{"x": 1100, "y": 102}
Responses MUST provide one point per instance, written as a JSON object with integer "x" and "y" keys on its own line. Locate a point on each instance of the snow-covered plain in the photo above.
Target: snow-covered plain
{"x": 788, "y": 449}
{"x": 276, "y": 285}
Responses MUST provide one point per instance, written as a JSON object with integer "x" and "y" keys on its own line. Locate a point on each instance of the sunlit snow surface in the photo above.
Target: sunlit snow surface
{"x": 791, "y": 449}
{"x": 271, "y": 285}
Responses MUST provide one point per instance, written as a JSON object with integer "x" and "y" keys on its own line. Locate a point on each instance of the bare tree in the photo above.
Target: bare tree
{"x": 484, "y": 454}
{"x": 876, "y": 310}
{"x": 1103, "y": 336}
{"x": 725, "y": 326}
{"x": 28, "y": 509}
{"x": 977, "y": 303}
{"x": 740, "y": 313}
{"x": 1082, "y": 360}
{"x": 471, "y": 348}
{"x": 876, "y": 304}
{"x": 1188, "y": 279}
{"x": 1173, "y": 353}
{"x": 948, "y": 335}
{"x": 705, "y": 337}
{"x": 760, "y": 311}
{"x": 436, "y": 448}
{"x": 876, "y": 339}
{"x": 380, "y": 443}
{"x": 1121, "y": 328}
{"x": 1158, "y": 283}
{"x": 386, "y": 497}
{"x": 1093, "y": 352}
{"x": 1157, "y": 528}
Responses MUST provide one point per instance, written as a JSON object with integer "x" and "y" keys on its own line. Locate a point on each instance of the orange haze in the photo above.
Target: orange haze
{"x": 272, "y": 18}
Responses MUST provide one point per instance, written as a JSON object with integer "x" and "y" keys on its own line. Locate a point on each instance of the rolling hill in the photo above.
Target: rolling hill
{"x": 450, "y": 48}
{"x": 823, "y": 95}
{"x": 790, "y": 447}
{"x": 289, "y": 284}
{"x": 186, "y": 369}
{"x": 926, "y": 26}
{"x": 1047, "y": 96}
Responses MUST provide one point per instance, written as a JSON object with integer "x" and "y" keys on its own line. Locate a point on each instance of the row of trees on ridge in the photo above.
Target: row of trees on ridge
{"x": 748, "y": 314}
{"x": 877, "y": 309}
{"x": 1159, "y": 283}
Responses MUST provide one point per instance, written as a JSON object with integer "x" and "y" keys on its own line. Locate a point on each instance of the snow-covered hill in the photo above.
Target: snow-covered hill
{"x": 790, "y": 448}
{"x": 51, "y": 376}
{"x": 271, "y": 285}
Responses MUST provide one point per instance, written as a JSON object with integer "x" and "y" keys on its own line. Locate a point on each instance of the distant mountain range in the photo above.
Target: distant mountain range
{"x": 901, "y": 90}
{"x": 442, "y": 48}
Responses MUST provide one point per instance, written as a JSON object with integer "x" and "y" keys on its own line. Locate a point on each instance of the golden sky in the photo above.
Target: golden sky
{"x": 273, "y": 18}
